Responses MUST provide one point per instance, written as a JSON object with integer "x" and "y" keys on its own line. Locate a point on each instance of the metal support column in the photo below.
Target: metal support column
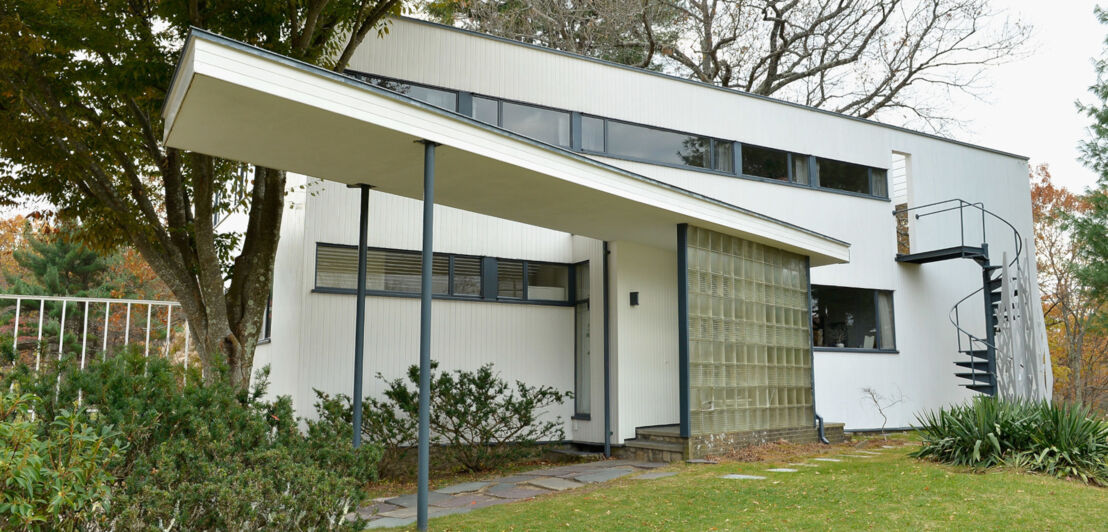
{"x": 425, "y": 333}
{"x": 683, "y": 325}
{"x": 359, "y": 313}
{"x": 607, "y": 362}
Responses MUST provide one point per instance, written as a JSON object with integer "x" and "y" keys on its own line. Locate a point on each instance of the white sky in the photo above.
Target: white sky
{"x": 1029, "y": 108}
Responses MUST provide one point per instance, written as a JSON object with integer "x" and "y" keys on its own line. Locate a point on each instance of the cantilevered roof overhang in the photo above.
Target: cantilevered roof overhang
{"x": 242, "y": 103}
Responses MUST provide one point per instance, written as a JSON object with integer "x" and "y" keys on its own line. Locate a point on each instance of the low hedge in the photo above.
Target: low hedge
{"x": 175, "y": 457}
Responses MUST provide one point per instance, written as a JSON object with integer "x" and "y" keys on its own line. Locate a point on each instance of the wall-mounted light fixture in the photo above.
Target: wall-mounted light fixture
{"x": 634, "y": 299}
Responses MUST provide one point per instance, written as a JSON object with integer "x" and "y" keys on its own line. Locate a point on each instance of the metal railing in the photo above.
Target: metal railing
{"x": 971, "y": 341}
{"x": 43, "y": 312}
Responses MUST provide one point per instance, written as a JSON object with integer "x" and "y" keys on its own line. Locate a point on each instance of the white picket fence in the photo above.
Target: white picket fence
{"x": 33, "y": 308}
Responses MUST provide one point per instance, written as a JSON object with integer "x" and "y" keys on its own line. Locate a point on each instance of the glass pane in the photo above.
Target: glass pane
{"x": 885, "y": 319}
{"x": 843, "y": 176}
{"x": 509, "y": 279}
{"x": 581, "y": 280}
{"x": 800, "y": 169}
{"x": 725, "y": 156}
{"x": 547, "y": 282}
{"x": 440, "y": 274}
{"x": 486, "y": 110}
{"x": 880, "y": 182}
{"x": 437, "y": 97}
{"x": 582, "y": 361}
{"x": 592, "y": 133}
{"x": 336, "y": 267}
{"x": 544, "y": 125}
{"x": 467, "y": 276}
{"x": 843, "y": 317}
{"x": 764, "y": 162}
{"x": 656, "y": 145}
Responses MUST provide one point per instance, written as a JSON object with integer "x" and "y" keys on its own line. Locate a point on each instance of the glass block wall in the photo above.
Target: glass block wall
{"x": 750, "y": 357}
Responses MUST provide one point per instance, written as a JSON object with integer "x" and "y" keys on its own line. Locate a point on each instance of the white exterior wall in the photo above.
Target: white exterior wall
{"x": 644, "y": 337}
{"x": 535, "y": 343}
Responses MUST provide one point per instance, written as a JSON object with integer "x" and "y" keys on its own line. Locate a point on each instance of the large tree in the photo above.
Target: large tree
{"x": 1078, "y": 340}
{"x": 81, "y": 86}
{"x": 894, "y": 59}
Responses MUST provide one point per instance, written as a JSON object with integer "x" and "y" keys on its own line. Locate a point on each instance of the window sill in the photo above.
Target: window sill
{"x": 264, "y": 341}
{"x": 581, "y": 417}
{"x": 856, "y": 350}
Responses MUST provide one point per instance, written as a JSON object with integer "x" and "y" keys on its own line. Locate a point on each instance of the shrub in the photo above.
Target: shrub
{"x": 207, "y": 456}
{"x": 480, "y": 420}
{"x": 1059, "y": 440}
{"x": 53, "y": 474}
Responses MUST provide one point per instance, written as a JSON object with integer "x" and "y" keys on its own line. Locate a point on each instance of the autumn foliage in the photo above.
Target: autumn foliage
{"x": 1076, "y": 328}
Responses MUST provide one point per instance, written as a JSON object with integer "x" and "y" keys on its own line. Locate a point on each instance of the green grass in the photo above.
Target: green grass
{"x": 890, "y": 491}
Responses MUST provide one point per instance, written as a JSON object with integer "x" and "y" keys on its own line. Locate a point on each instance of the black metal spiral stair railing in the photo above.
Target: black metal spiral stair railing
{"x": 981, "y": 349}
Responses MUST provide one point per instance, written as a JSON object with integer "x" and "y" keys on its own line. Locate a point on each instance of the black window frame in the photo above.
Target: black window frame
{"x": 464, "y": 105}
{"x": 488, "y": 273}
{"x": 877, "y": 321}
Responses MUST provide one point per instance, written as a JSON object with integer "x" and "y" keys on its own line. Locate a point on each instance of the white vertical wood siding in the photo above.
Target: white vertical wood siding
{"x": 644, "y": 337}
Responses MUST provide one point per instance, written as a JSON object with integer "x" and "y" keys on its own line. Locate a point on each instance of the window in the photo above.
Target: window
{"x": 486, "y": 110}
{"x": 386, "y": 270}
{"x": 854, "y": 318}
{"x": 649, "y": 144}
{"x": 843, "y": 176}
{"x": 641, "y": 142}
{"x": 509, "y": 279}
{"x": 724, "y": 156}
{"x": 547, "y": 282}
{"x": 582, "y": 347}
{"x": 880, "y": 182}
{"x": 466, "y": 278}
{"x": 800, "y": 169}
{"x": 438, "y": 97}
{"x": 544, "y": 125}
{"x": 764, "y": 162}
{"x": 592, "y": 134}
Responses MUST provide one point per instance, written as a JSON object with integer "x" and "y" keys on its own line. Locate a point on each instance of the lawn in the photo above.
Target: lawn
{"x": 886, "y": 491}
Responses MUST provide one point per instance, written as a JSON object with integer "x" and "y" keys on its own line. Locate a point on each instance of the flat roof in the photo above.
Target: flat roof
{"x": 710, "y": 86}
{"x": 240, "y": 102}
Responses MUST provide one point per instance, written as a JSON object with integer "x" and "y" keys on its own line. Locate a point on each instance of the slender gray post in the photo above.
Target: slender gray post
{"x": 425, "y": 333}
{"x": 607, "y": 363}
{"x": 359, "y": 314}
{"x": 683, "y": 327}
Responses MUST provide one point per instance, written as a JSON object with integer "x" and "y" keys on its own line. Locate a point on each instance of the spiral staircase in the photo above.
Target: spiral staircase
{"x": 1006, "y": 356}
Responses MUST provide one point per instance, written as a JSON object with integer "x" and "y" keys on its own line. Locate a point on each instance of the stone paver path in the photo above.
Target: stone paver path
{"x": 735, "y": 476}
{"x": 781, "y": 470}
{"x": 460, "y": 498}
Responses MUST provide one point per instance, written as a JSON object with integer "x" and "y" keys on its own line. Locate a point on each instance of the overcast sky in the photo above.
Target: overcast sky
{"x": 1030, "y": 109}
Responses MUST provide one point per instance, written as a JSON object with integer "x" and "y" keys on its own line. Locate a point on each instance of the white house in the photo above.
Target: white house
{"x": 676, "y": 254}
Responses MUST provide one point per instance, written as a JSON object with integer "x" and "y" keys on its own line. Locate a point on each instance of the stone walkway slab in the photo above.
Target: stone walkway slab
{"x": 465, "y": 487}
{"x": 781, "y": 470}
{"x": 515, "y": 479}
{"x": 555, "y": 483}
{"x": 513, "y": 491}
{"x": 651, "y": 475}
{"x": 603, "y": 475}
{"x": 471, "y": 501}
{"x": 409, "y": 501}
{"x": 804, "y": 465}
{"x": 390, "y": 522}
{"x": 855, "y": 456}
{"x": 742, "y": 477}
{"x": 827, "y": 459}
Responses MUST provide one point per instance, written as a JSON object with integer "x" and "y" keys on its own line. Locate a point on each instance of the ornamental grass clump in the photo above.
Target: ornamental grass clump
{"x": 1058, "y": 440}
